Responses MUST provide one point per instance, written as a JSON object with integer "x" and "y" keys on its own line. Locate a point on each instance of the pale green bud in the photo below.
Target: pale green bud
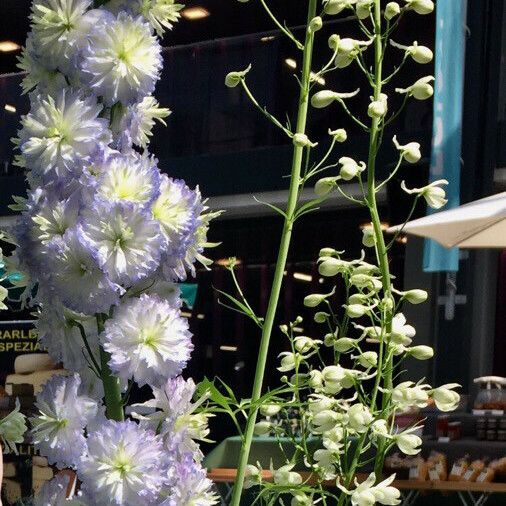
{"x": 320, "y": 403}
{"x": 315, "y": 299}
{"x": 363, "y": 8}
{"x": 324, "y": 186}
{"x": 378, "y": 108}
{"x": 369, "y": 237}
{"x": 323, "y": 98}
{"x": 321, "y": 317}
{"x": 392, "y": 9}
{"x": 350, "y": 168}
{"x": 445, "y": 398}
{"x": 304, "y": 344}
{"x": 333, "y": 374}
{"x": 421, "y": 6}
{"x": 286, "y": 477}
{"x": 302, "y": 140}
{"x": 334, "y": 7}
{"x": 422, "y": 89}
{"x": 232, "y": 79}
{"x": 332, "y": 266}
{"x": 356, "y": 310}
{"x": 388, "y": 303}
{"x": 325, "y": 420}
{"x": 420, "y": 54}
{"x": 368, "y": 359}
{"x": 315, "y": 24}
{"x": 410, "y": 152}
{"x": 415, "y": 296}
{"x": 344, "y": 344}
{"x": 421, "y": 352}
{"x": 262, "y": 428}
{"x": 359, "y": 417}
{"x": 315, "y": 379}
{"x": 361, "y": 280}
{"x": 339, "y": 135}
{"x": 270, "y": 409}
{"x": 334, "y": 40}
{"x": 357, "y": 298}
{"x": 329, "y": 339}
{"x": 327, "y": 252}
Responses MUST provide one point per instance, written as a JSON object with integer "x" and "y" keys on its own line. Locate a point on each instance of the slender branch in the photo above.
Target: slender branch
{"x": 293, "y": 191}
{"x": 392, "y": 175}
{"x": 283, "y": 28}
{"x": 87, "y": 346}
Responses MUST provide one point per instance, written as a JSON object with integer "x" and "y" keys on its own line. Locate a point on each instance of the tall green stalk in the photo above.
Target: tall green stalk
{"x": 286, "y": 236}
{"x": 112, "y": 388}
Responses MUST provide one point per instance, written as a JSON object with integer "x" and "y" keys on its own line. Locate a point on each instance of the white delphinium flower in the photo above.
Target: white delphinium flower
{"x": 123, "y": 465}
{"x": 324, "y": 461}
{"x": 48, "y": 81}
{"x": 129, "y": 178}
{"x": 123, "y": 60}
{"x": 58, "y": 133}
{"x": 445, "y": 397}
{"x": 61, "y": 337}
{"x": 136, "y": 126}
{"x": 148, "y": 340}
{"x": 59, "y": 29}
{"x": 359, "y": 417}
{"x": 128, "y": 242}
{"x": 368, "y": 494}
{"x": 285, "y": 476}
{"x": 402, "y": 333}
{"x": 408, "y": 394}
{"x": 189, "y": 485}
{"x": 420, "y": 90}
{"x": 410, "y": 152}
{"x": 434, "y": 195}
{"x": 77, "y": 278}
{"x": 161, "y": 14}
{"x": 58, "y": 428}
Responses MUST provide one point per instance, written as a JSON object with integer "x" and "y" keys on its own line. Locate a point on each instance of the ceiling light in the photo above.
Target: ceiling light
{"x": 7, "y": 46}
{"x": 201, "y": 316}
{"x": 383, "y": 225}
{"x": 291, "y": 63}
{"x": 228, "y": 348}
{"x": 268, "y": 38}
{"x": 195, "y": 13}
{"x": 303, "y": 277}
{"x": 299, "y": 330}
{"x": 9, "y": 108}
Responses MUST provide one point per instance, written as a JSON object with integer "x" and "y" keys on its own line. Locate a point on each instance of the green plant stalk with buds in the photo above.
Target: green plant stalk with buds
{"x": 289, "y": 219}
{"x": 366, "y": 418}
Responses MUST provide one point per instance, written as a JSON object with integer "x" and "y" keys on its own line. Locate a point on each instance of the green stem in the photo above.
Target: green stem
{"x": 281, "y": 260}
{"x": 112, "y": 388}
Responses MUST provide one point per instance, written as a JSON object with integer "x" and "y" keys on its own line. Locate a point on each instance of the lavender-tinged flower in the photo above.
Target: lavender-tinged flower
{"x": 129, "y": 178}
{"x": 172, "y": 414}
{"x": 189, "y": 485}
{"x": 60, "y": 336}
{"x": 123, "y": 466}
{"x": 59, "y": 133}
{"x": 127, "y": 240}
{"x": 58, "y": 428}
{"x": 148, "y": 340}
{"x": 77, "y": 278}
{"x": 123, "y": 60}
{"x": 13, "y": 428}
{"x": 137, "y": 124}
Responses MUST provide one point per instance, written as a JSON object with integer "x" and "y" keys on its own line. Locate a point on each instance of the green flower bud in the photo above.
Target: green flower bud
{"x": 323, "y": 99}
{"x": 302, "y": 140}
{"x": 378, "y": 108}
{"x": 344, "y": 344}
{"x": 357, "y": 298}
{"x": 321, "y": 317}
{"x": 324, "y": 186}
{"x": 350, "y": 168}
{"x": 368, "y": 359}
{"x": 416, "y": 296}
{"x": 313, "y": 300}
{"x": 356, "y": 310}
{"x": 262, "y": 428}
{"x": 363, "y": 8}
{"x": 421, "y": 6}
{"x": 334, "y": 7}
{"x": 421, "y": 352}
{"x": 303, "y": 344}
{"x": 422, "y": 90}
{"x": 315, "y": 24}
{"x": 232, "y": 79}
{"x": 369, "y": 237}
{"x": 420, "y": 54}
{"x": 392, "y": 9}
{"x": 270, "y": 409}
{"x": 339, "y": 135}
{"x": 332, "y": 266}
{"x": 315, "y": 379}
